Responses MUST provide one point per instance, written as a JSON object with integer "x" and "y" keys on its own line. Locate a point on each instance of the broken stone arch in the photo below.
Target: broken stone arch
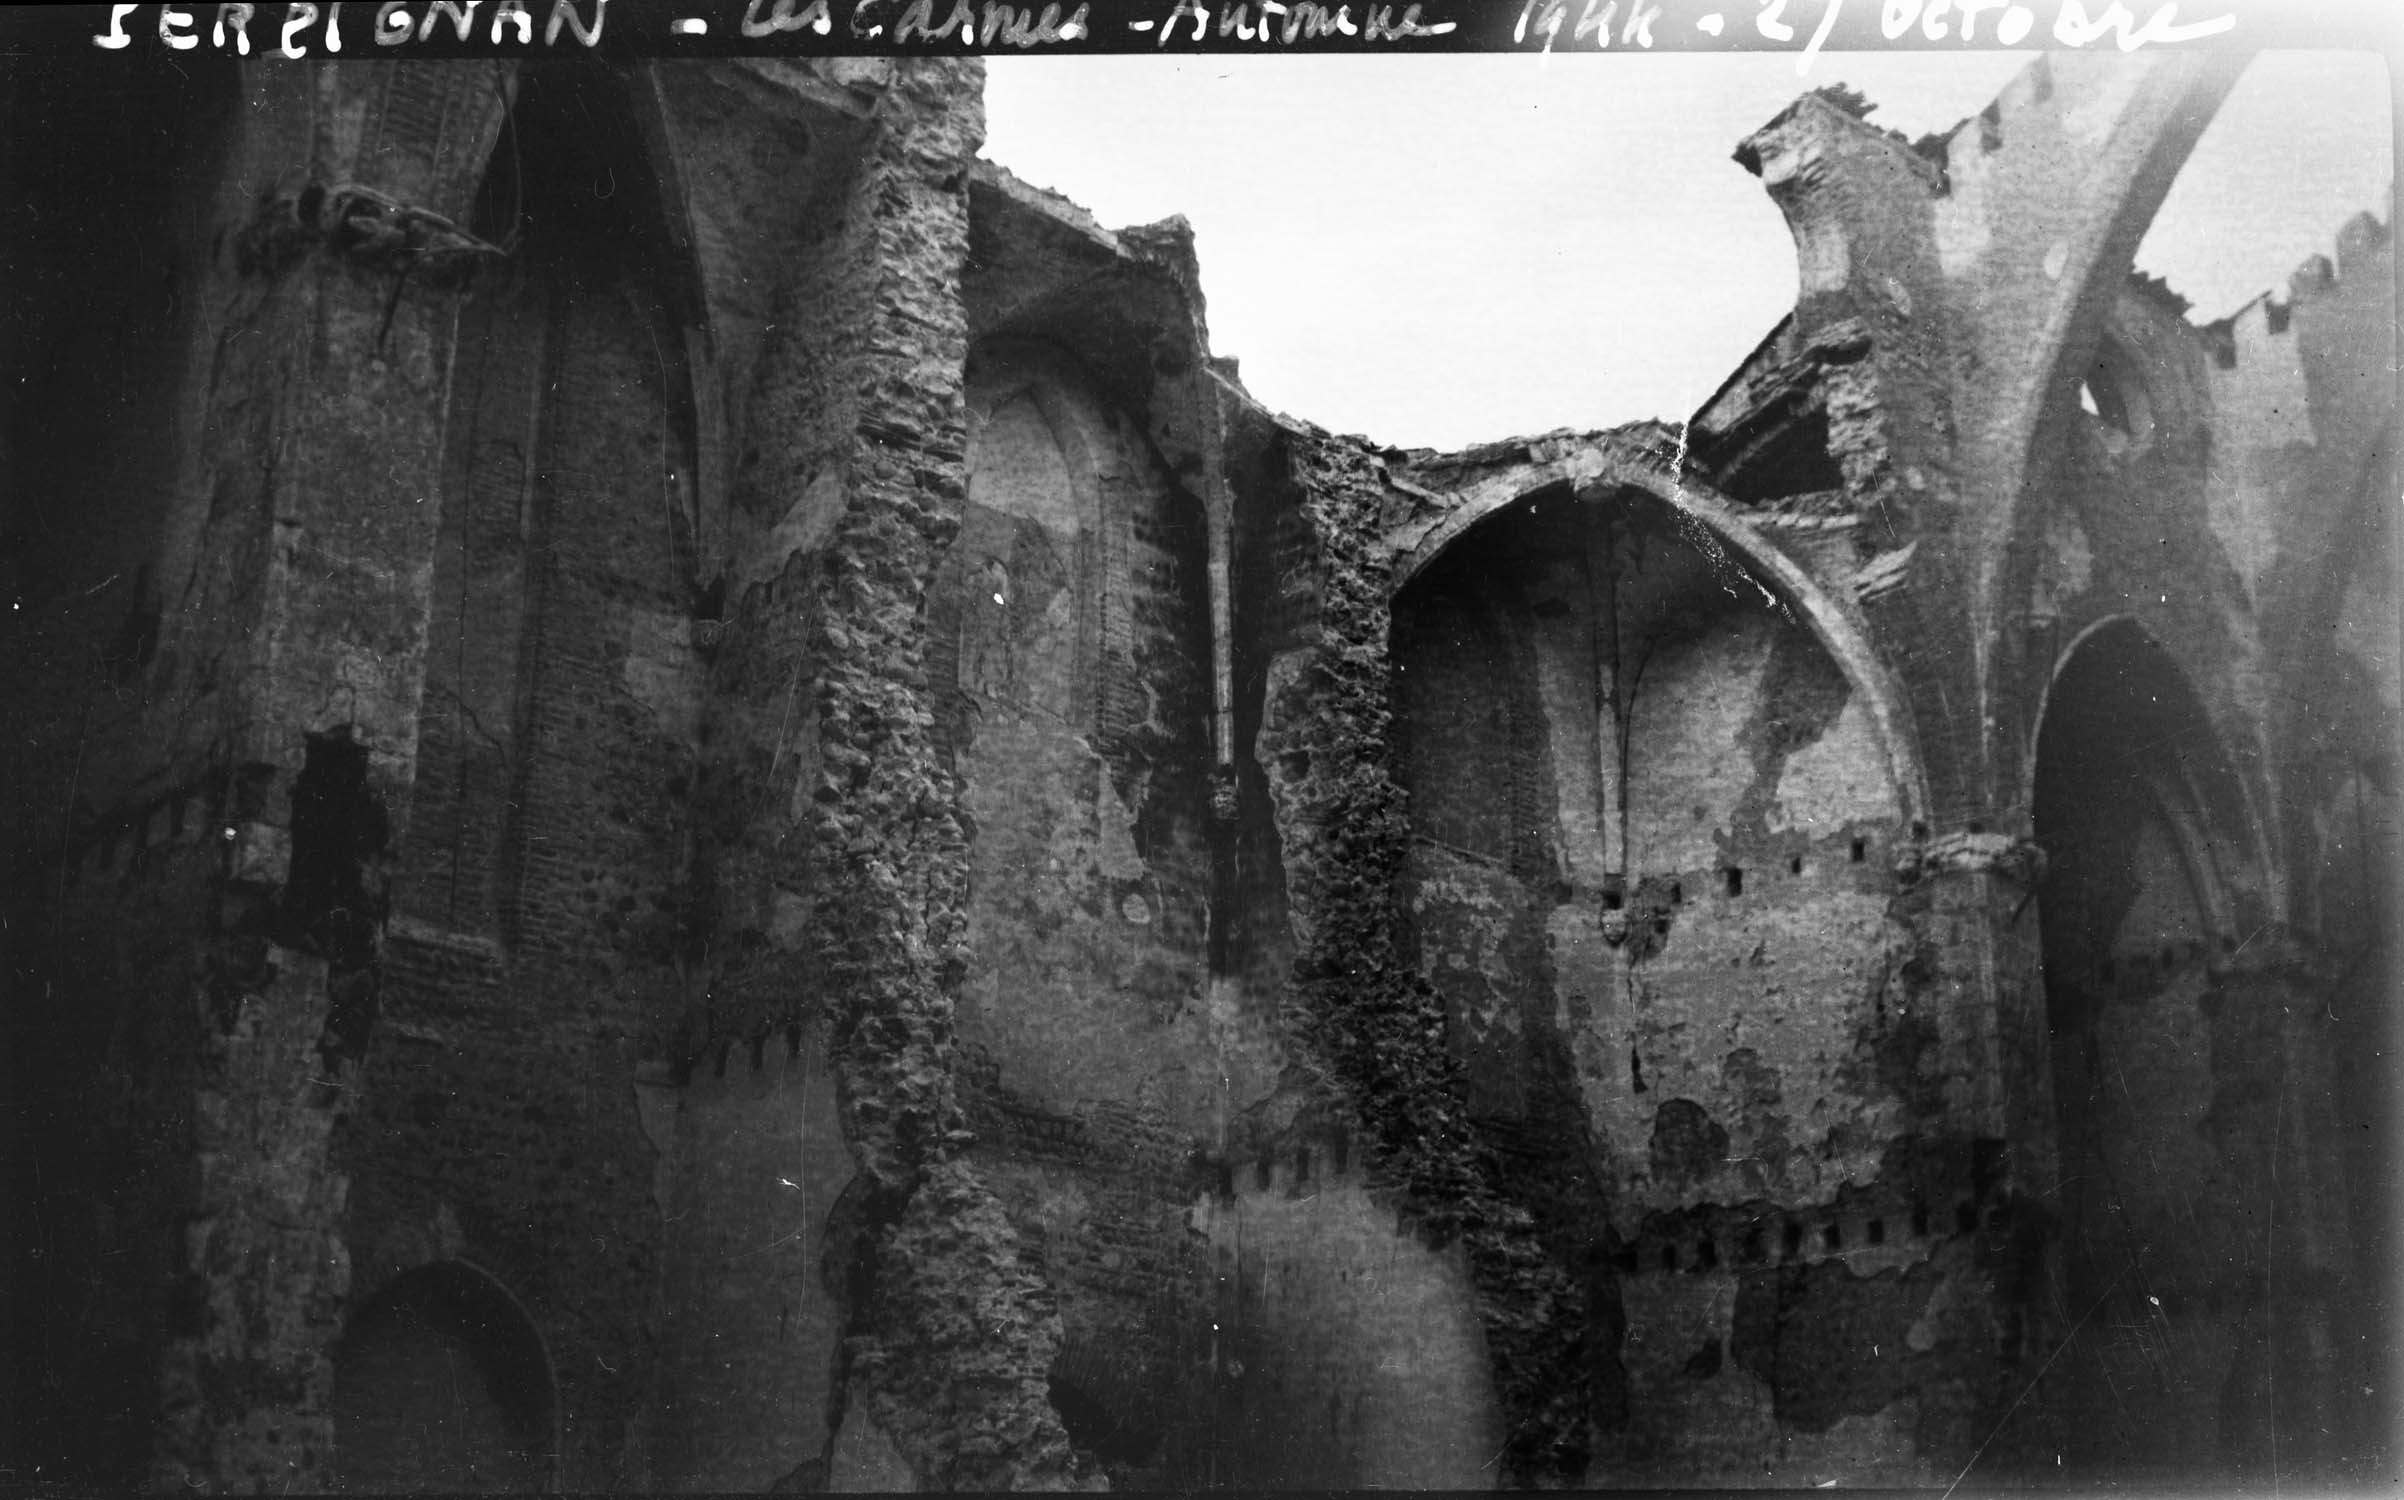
{"x": 1067, "y": 657}
{"x": 1594, "y": 476}
{"x": 1653, "y": 771}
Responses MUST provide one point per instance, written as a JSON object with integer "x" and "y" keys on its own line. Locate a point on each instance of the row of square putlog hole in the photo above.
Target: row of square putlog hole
{"x": 1798, "y": 1240}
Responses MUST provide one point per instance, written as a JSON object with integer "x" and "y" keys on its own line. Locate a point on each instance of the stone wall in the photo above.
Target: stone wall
{"x": 714, "y": 790}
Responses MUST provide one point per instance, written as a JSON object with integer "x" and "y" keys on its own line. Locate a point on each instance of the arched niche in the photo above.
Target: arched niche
{"x": 2142, "y": 818}
{"x": 1654, "y": 804}
{"x": 565, "y": 567}
{"x": 2104, "y": 139}
{"x": 544, "y": 844}
{"x": 2147, "y": 846}
{"x": 1068, "y": 668}
{"x": 1068, "y": 658}
{"x": 442, "y": 1384}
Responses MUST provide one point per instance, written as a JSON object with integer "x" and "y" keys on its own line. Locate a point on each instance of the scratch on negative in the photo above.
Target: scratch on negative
{"x": 2032, "y": 1383}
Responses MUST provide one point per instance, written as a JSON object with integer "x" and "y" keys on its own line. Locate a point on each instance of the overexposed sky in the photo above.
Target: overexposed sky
{"x": 1435, "y": 251}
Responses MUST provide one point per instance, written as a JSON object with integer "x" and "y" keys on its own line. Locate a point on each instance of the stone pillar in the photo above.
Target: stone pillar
{"x": 2300, "y": 1393}
{"x": 1969, "y": 990}
{"x": 321, "y": 461}
{"x": 1969, "y": 898}
{"x": 842, "y": 875}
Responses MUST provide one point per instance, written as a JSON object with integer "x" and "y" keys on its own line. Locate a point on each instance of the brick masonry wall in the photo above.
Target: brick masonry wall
{"x": 450, "y": 872}
{"x": 545, "y": 889}
{"x": 2235, "y": 451}
{"x": 756, "y": 1177}
{"x": 1100, "y": 1193}
{"x": 1663, "y": 887}
{"x": 752, "y": 1306}
{"x": 1345, "y": 1352}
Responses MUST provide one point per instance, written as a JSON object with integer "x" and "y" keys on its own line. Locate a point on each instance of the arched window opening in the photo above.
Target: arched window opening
{"x": 1468, "y": 727}
{"x": 441, "y": 1384}
{"x": 2141, "y": 821}
{"x": 569, "y": 511}
{"x": 2137, "y": 811}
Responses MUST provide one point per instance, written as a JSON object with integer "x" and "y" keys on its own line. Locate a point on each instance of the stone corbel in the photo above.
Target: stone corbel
{"x": 364, "y": 225}
{"x": 2017, "y": 860}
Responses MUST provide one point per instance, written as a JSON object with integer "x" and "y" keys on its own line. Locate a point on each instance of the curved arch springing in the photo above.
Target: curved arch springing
{"x": 443, "y": 1383}
{"x": 1634, "y": 765}
{"x": 1741, "y": 557}
{"x": 2115, "y": 672}
{"x": 1464, "y": 696}
{"x": 2081, "y": 236}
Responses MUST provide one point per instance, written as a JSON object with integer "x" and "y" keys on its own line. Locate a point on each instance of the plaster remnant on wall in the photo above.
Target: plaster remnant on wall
{"x": 803, "y": 529}
{"x": 1323, "y": 1290}
{"x": 660, "y": 671}
{"x": 1838, "y": 780}
{"x": 2068, "y": 566}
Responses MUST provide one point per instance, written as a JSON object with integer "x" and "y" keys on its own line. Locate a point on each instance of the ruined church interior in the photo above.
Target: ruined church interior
{"x": 694, "y": 803}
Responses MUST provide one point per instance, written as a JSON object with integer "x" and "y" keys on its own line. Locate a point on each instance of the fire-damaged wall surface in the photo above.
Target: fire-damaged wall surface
{"x": 694, "y": 804}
